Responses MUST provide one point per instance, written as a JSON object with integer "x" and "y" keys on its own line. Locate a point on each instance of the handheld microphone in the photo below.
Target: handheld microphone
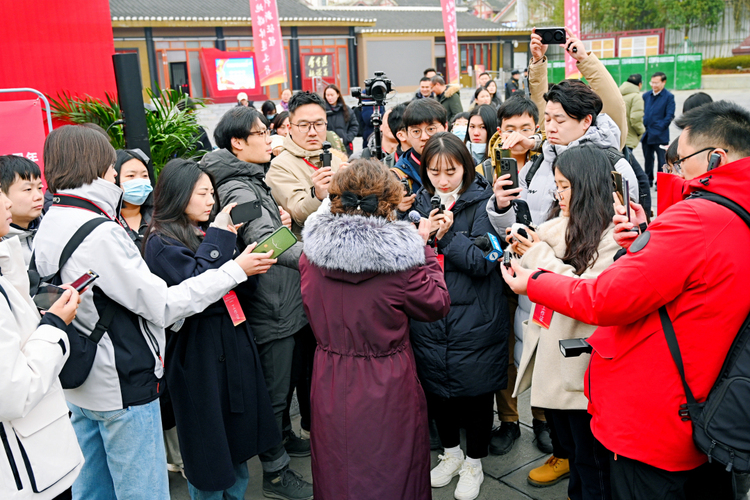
{"x": 490, "y": 246}
{"x": 414, "y": 217}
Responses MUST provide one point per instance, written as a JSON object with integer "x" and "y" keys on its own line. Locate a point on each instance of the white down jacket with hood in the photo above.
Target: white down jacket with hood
{"x": 40, "y": 457}
{"x": 125, "y": 278}
{"x": 605, "y": 134}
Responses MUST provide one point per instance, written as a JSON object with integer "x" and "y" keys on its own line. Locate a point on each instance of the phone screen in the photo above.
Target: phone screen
{"x": 280, "y": 241}
{"x": 47, "y": 295}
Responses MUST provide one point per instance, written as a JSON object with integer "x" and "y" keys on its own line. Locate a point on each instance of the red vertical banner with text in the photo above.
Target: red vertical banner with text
{"x": 22, "y": 130}
{"x": 267, "y": 42}
{"x": 451, "y": 41}
{"x": 573, "y": 23}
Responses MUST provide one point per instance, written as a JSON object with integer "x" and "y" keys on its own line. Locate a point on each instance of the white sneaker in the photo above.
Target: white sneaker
{"x": 469, "y": 482}
{"x": 447, "y": 468}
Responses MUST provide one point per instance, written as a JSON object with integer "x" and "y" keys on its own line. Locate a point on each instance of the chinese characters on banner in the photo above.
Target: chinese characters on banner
{"x": 573, "y": 22}
{"x": 319, "y": 65}
{"x": 22, "y": 130}
{"x": 267, "y": 43}
{"x": 451, "y": 41}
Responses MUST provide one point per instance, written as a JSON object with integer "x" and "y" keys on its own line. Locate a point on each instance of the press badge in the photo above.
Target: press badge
{"x": 542, "y": 316}
{"x": 234, "y": 308}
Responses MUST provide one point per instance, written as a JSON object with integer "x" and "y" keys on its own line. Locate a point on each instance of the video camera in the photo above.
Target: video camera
{"x": 376, "y": 90}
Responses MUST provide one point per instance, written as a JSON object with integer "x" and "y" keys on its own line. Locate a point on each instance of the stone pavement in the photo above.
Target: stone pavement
{"x": 504, "y": 477}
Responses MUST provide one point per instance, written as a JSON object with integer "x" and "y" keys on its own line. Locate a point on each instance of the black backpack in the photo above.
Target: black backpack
{"x": 82, "y": 347}
{"x": 721, "y": 424}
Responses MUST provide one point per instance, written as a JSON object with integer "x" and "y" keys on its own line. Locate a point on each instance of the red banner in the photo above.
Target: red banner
{"x": 267, "y": 42}
{"x": 22, "y": 130}
{"x": 573, "y": 22}
{"x": 451, "y": 41}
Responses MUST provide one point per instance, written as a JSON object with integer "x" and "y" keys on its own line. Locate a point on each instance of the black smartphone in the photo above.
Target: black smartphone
{"x": 49, "y": 294}
{"x": 246, "y": 212}
{"x": 552, "y": 36}
{"x": 509, "y": 166}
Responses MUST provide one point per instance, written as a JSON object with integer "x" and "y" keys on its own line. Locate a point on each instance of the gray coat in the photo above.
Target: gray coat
{"x": 276, "y": 311}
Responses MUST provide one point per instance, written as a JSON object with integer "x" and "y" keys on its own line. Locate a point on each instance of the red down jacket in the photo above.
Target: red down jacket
{"x": 696, "y": 262}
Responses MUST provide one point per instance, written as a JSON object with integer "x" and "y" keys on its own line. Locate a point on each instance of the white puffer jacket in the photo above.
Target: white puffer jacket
{"x": 33, "y": 415}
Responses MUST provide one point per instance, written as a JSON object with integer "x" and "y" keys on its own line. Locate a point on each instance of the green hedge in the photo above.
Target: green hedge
{"x": 727, "y": 62}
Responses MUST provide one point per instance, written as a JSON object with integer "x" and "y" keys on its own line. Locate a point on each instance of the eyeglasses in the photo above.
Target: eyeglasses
{"x": 417, "y": 132}
{"x": 264, "y": 133}
{"x": 677, "y": 164}
{"x": 557, "y": 194}
{"x": 305, "y": 126}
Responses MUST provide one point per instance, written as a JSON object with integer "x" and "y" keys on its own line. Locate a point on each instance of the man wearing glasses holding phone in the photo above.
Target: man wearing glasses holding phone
{"x": 298, "y": 180}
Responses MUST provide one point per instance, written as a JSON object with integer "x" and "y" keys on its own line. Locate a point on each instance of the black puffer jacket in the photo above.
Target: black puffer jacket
{"x": 346, "y": 129}
{"x": 465, "y": 354}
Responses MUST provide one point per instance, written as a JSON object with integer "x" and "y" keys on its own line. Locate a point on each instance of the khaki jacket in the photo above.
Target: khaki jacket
{"x": 631, "y": 94}
{"x": 290, "y": 181}
{"x": 600, "y": 81}
{"x": 557, "y": 382}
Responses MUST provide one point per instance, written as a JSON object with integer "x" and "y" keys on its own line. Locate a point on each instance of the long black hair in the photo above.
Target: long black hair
{"x": 590, "y": 175}
{"x": 171, "y": 197}
{"x": 489, "y": 118}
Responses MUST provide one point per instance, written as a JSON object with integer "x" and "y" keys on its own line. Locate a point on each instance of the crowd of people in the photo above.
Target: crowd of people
{"x": 388, "y": 317}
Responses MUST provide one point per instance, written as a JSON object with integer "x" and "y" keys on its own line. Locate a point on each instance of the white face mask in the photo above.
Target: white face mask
{"x": 478, "y": 147}
{"x": 459, "y": 131}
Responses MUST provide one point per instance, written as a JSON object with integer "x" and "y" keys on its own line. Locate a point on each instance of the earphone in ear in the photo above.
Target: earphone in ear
{"x": 714, "y": 161}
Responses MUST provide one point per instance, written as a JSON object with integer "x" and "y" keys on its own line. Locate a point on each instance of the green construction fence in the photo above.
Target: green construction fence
{"x": 683, "y": 70}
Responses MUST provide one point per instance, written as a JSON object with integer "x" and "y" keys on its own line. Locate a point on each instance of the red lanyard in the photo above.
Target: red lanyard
{"x": 313, "y": 166}
{"x": 415, "y": 159}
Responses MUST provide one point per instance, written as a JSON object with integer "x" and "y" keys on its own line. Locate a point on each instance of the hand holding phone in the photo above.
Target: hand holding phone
{"x": 278, "y": 242}
{"x": 50, "y": 294}
{"x": 66, "y": 307}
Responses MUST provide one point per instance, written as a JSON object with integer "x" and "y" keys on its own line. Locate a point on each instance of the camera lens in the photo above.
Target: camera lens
{"x": 559, "y": 37}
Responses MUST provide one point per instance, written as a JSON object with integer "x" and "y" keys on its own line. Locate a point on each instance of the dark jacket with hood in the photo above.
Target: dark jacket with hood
{"x": 337, "y": 122}
{"x": 465, "y": 354}
{"x": 216, "y": 385}
{"x": 451, "y": 101}
{"x": 409, "y": 164}
{"x": 362, "y": 279}
{"x": 276, "y": 309}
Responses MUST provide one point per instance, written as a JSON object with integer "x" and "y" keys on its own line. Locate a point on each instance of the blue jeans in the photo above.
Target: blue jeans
{"x": 236, "y": 492}
{"x": 124, "y": 452}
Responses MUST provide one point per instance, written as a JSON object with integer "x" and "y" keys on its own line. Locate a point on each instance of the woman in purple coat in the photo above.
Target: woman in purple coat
{"x": 363, "y": 276}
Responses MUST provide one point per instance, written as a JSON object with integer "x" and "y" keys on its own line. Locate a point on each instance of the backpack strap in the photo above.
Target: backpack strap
{"x": 2, "y": 291}
{"x": 674, "y": 349}
{"x": 614, "y": 156}
{"x": 724, "y": 202}
{"x": 78, "y": 238}
{"x": 538, "y": 160}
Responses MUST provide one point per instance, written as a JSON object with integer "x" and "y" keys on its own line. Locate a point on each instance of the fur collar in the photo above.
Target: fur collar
{"x": 358, "y": 244}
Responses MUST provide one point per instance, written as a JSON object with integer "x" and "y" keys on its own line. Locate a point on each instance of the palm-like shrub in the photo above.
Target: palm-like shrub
{"x": 172, "y": 127}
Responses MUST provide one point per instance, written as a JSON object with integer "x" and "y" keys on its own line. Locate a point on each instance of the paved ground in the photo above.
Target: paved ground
{"x": 505, "y": 477}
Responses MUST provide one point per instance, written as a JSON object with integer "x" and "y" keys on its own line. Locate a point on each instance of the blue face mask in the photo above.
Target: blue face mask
{"x": 136, "y": 191}
{"x": 270, "y": 117}
{"x": 459, "y": 132}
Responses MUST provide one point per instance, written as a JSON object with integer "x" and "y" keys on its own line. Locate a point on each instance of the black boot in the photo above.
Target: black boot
{"x": 543, "y": 439}
{"x": 503, "y": 438}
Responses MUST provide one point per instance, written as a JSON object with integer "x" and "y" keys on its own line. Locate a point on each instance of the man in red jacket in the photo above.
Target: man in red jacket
{"x": 693, "y": 259}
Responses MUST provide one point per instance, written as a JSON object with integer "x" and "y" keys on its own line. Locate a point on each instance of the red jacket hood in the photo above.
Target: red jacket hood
{"x": 724, "y": 181}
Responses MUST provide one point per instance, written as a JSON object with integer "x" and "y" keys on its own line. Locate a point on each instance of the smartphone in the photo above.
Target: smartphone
{"x": 246, "y": 212}
{"x": 552, "y": 36}
{"x": 49, "y": 294}
{"x": 617, "y": 186}
{"x": 626, "y": 196}
{"x": 509, "y": 166}
{"x": 279, "y": 241}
